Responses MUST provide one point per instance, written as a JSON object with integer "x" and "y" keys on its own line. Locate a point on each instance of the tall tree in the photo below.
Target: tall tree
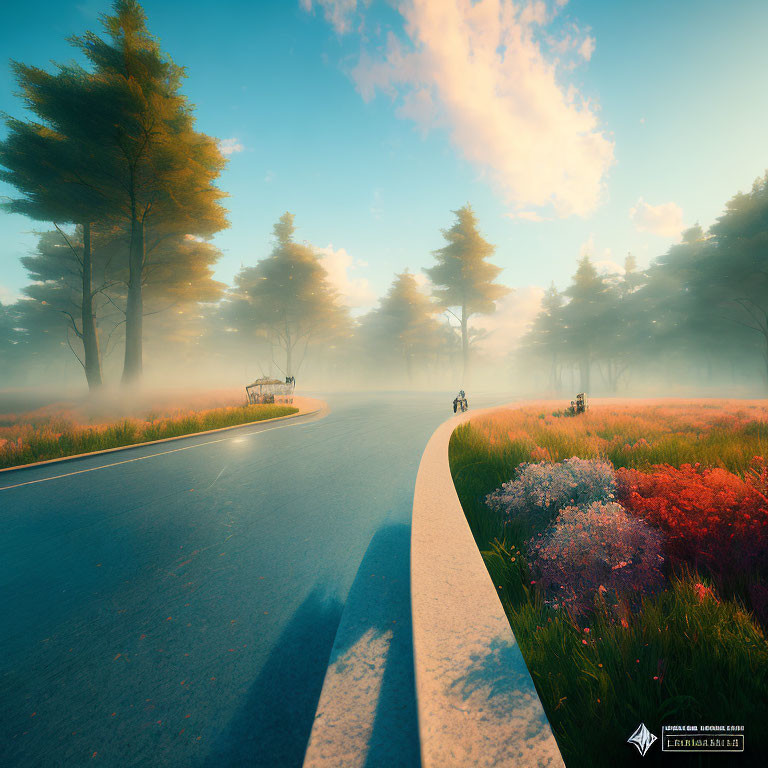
{"x": 288, "y": 298}
{"x": 56, "y": 269}
{"x": 128, "y": 117}
{"x": 546, "y": 338}
{"x": 463, "y": 276}
{"x": 168, "y": 170}
{"x": 52, "y": 173}
{"x": 734, "y": 278}
{"x": 403, "y": 327}
{"x": 584, "y": 315}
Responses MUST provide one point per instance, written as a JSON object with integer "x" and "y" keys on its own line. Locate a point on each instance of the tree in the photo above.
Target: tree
{"x": 546, "y": 337}
{"x": 56, "y": 269}
{"x": 134, "y": 145}
{"x": 403, "y": 327}
{"x": 52, "y": 174}
{"x": 288, "y": 298}
{"x": 463, "y": 277}
{"x": 583, "y": 315}
{"x": 734, "y": 278}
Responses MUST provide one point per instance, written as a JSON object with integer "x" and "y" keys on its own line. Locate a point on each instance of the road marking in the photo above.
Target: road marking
{"x": 153, "y": 455}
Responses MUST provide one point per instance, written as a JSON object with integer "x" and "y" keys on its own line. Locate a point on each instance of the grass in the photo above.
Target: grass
{"x": 680, "y": 659}
{"x": 55, "y": 436}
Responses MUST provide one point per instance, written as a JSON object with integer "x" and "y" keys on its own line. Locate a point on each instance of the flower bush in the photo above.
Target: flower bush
{"x": 597, "y": 552}
{"x": 711, "y": 518}
{"x": 539, "y": 491}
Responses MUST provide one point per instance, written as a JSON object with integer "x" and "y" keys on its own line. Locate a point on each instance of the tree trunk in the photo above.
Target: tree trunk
{"x": 408, "y": 366}
{"x": 134, "y": 310}
{"x": 584, "y": 371}
{"x": 90, "y": 336}
{"x": 464, "y": 345}
{"x": 765, "y": 354}
{"x": 289, "y": 358}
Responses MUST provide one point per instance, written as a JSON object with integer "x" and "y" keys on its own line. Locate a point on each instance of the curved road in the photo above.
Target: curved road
{"x": 179, "y": 610}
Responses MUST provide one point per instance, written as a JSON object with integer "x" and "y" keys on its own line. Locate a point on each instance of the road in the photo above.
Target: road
{"x": 177, "y": 605}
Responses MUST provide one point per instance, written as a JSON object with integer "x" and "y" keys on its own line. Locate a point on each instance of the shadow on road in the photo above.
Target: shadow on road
{"x": 368, "y": 708}
{"x": 273, "y": 726}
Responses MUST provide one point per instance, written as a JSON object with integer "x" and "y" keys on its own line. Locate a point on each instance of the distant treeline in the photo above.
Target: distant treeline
{"x": 697, "y": 315}
{"x": 126, "y": 189}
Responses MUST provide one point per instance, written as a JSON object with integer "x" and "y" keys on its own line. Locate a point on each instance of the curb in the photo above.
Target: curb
{"x": 323, "y": 410}
{"x": 477, "y": 704}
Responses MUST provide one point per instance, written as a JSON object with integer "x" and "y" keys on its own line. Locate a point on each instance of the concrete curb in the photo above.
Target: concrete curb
{"x": 322, "y": 410}
{"x": 477, "y": 704}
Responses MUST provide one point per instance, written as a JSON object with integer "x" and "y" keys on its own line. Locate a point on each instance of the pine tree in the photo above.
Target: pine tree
{"x": 463, "y": 276}
{"x": 287, "y": 297}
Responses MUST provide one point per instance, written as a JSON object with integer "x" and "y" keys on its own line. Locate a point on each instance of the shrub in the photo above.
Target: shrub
{"x": 541, "y": 490}
{"x": 711, "y": 517}
{"x": 597, "y": 552}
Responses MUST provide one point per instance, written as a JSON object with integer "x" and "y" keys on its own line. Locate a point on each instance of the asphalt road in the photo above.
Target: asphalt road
{"x": 177, "y": 605}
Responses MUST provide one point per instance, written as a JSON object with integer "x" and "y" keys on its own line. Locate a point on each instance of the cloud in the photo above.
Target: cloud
{"x": 478, "y": 68}
{"x": 527, "y": 216}
{"x": 587, "y": 48}
{"x": 230, "y": 146}
{"x": 602, "y": 261}
{"x": 665, "y": 220}
{"x": 7, "y": 296}
{"x": 338, "y": 12}
{"x": 355, "y": 292}
{"x": 504, "y": 329}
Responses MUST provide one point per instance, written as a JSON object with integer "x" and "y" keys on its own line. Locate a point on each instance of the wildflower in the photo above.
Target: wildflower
{"x": 570, "y": 562}
{"x": 703, "y": 592}
{"x": 541, "y": 490}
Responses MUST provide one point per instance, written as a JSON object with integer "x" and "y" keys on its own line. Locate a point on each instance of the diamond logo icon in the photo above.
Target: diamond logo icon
{"x": 642, "y": 738}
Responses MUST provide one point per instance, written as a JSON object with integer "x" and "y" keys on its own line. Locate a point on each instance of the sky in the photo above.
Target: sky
{"x": 572, "y": 127}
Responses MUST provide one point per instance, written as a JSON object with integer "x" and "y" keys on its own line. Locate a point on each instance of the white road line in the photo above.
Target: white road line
{"x": 151, "y": 456}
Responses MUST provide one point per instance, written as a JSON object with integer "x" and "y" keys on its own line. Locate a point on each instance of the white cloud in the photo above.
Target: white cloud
{"x": 527, "y": 216}
{"x": 355, "y": 292}
{"x": 504, "y": 329}
{"x": 338, "y": 12}
{"x": 665, "y": 220}
{"x": 608, "y": 267}
{"x": 603, "y": 260}
{"x": 478, "y": 68}
{"x": 587, "y": 48}
{"x": 7, "y": 296}
{"x": 230, "y": 146}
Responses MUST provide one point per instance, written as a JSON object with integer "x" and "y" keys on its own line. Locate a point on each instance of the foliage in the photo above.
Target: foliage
{"x": 594, "y": 552}
{"x": 712, "y": 519}
{"x": 692, "y": 652}
{"x": 539, "y": 491}
{"x": 288, "y": 297}
{"x": 402, "y": 329}
{"x": 462, "y": 275}
{"x": 115, "y": 146}
{"x": 684, "y": 657}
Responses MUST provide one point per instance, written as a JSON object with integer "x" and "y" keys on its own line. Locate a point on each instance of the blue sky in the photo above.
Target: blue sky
{"x": 366, "y": 124}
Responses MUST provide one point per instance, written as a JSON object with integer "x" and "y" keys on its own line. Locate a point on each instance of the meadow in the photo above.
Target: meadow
{"x": 635, "y": 577}
{"x": 68, "y": 429}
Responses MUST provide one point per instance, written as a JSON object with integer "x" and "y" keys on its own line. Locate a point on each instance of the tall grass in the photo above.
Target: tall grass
{"x": 724, "y": 434}
{"x": 679, "y": 659}
{"x": 53, "y": 438}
